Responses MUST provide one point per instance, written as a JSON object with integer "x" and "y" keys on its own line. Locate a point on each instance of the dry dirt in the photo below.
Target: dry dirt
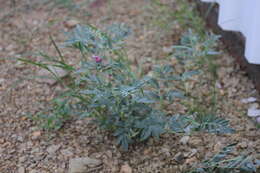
{"x": 25, "y": 28}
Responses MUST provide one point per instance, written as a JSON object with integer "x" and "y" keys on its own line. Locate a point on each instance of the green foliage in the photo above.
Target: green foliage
{"x": 119, "y": 100}
{"x": 206, "y": 123}
{"x": 64, "y": 3}
{"x": 187, "y": 17}
{"x": 197, "y": 51}
{"x": 212, "y": 124}
{"x": 197, "y": 55}
{"x": 223, "y": 162}
{"x": 165, "y": 15}
{"x": 183, "y": 16}
{"x": 54, "y": 118}
{"x": 89, "y": 39}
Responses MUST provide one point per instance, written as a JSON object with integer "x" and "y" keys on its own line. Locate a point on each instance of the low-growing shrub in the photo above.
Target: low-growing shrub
{"x": 120, "y": 101}
{"x": 224, "y": 162}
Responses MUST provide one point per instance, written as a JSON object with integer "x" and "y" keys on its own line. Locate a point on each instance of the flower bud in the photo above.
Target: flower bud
{"x": 98, "y": 59}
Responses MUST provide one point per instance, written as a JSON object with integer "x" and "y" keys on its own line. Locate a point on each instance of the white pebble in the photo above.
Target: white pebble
{"x": 252, "y": 112}
{"x": 249, "y": 100}
{"x": 258, "y": 120}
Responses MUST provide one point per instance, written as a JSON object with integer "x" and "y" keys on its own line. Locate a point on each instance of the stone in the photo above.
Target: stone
{"x": 12, "y": 151}
{"x": 36, "y": 134}
{"x": 193, "y": 152}
{"x": 184, "y": 140}
{"x": 126, "y": 169}
{"x": 33, "y": 171}
{"x": 10, "y": 47}
{"x": 218, "y": 85}
{"x": 167, "y": 50}
{"x": 195, "y": 142}
{"x": 19, "y": 65}
{"x": 53, "y": 148}
{"x": 253, "y": 106}
{"x": 248, "y": 100}
{"x": 2, "y": 140}
{"x": 35, "y": 150}
{"x": 82, "y": 165}
{"x": 242, "y": 145}
{"x": 258, "y": 120}
{"x": 38, "y": 157}
{"x": 109, "y": 154}
{"x": 66, "y": 152}
{"x": 2, "y": 81}
{"x": 166, "y": 151}
{"x": 21, "y": 170}
{"x": 71, "y": 24}
{"x": 147, "y": 151}
{"x": 179, "y": 157}
{"x": 22, "y": 159}
{"x": 191, "y": 161}
{"x": 19, "y": 138}
{"x": 217, "y": 147}
{"x": 252, "y": 112}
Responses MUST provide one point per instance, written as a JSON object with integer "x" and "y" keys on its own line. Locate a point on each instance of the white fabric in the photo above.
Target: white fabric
{"x": 242, "y": 16}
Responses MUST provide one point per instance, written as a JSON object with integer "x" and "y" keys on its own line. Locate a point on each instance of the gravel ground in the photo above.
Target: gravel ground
{"x": 25, "y": 27}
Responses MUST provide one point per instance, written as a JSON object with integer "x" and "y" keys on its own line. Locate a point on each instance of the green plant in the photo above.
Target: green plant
{"x": 69, "y": 4}
{"x": 197, "y": 54}
{"x": 187, "y": 17}
{"x": 223, "y": 162}
{"x": 120, "y": 101}
{"x": 183, "y": 16}
{"x": 55, "y": 117}
{"x": 109, "y": 91}
{"x": 64, "y": 3}
{"x": 206, "y": 123}
{"x": 164, "y": 18}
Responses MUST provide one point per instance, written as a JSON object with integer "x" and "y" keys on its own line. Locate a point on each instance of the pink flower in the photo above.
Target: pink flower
{"x": 98, "y": 59}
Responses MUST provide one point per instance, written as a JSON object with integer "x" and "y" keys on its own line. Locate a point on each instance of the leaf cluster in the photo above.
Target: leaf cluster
{"x": 90, "y": 40}
{"x": 205, "y": 123}
{"x": 223, "y": 162}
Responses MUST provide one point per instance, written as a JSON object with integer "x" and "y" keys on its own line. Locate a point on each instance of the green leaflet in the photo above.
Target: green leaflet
{"x": 223, "y": 162}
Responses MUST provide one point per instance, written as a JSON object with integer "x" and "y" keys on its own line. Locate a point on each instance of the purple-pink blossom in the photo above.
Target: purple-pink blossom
{"x": 98, "y": 59}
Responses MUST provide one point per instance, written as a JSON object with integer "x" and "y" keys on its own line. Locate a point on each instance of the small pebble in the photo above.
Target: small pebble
{"x": 249, "y": 100}
{"x": 252, "y": 112}
{"x": 126, "y": 169}
{"x": 184, "y": 140}
{"x": 258, "y": 120}
{"x": 21, "y": 170}
{"x": 71, "y": 23}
